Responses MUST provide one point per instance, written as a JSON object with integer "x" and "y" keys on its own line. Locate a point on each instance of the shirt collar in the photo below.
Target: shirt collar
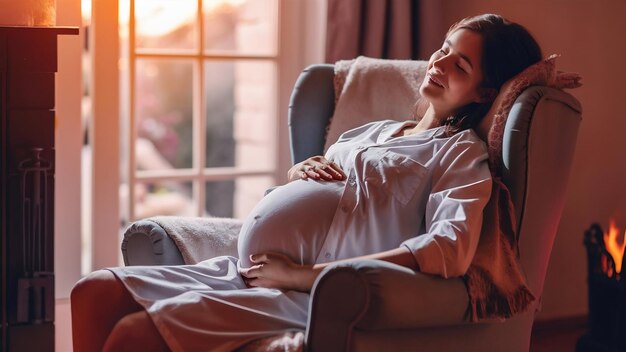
{"x": 391, "y": 129}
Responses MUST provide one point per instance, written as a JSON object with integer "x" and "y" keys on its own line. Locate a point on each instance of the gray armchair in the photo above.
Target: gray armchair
{"x": 369, "y": 306}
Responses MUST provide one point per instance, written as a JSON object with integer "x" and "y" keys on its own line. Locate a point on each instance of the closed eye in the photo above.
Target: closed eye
{"x": 443, "y": 52}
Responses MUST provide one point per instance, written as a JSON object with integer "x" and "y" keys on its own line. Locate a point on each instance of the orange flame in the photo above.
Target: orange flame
{"x": 615, "y": 247}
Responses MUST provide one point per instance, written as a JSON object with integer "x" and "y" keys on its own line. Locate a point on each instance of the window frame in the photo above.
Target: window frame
{"x": 301, "y": 31}
{"x": 198, "y": 174}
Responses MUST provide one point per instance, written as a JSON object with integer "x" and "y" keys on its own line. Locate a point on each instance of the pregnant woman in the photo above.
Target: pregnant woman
{"x": 409, "y": 193}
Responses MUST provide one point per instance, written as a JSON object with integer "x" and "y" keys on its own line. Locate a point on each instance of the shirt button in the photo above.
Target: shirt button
{"x": 360, "y": 147}
{"x": 352, "y": 180}
{"x": 344, "y": 208}
{"x": 327, "y": 255}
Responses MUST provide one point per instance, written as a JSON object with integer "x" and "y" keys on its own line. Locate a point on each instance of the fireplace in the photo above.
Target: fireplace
{"x": 607, "y": 291}
{"x": 27, "y": 69}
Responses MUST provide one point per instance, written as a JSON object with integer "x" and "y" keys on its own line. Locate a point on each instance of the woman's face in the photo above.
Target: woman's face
{"x": 454, "y": 72}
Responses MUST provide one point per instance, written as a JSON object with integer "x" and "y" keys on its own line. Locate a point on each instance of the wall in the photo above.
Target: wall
{"x": 588, "y": 34}
{"x": 68, "y": 145}
{"x": 303, "y": 38}
{"x": 67, "y": 187}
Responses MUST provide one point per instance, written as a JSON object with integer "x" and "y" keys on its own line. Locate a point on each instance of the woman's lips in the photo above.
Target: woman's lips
{"x": 435, "y": 81}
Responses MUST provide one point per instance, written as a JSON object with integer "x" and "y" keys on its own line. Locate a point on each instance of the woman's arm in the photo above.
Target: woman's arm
{"x": 461, "y": 187}
{"x": 276, "y": 270}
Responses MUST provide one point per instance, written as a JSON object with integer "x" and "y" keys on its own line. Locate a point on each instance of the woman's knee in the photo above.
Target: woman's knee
{"x": 101, "y": 286}
{"x": 95, "y": 284}
{"x": 135, "y": 332}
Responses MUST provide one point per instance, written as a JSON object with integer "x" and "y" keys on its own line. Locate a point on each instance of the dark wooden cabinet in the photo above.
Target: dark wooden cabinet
{"x": 28, "y": 62}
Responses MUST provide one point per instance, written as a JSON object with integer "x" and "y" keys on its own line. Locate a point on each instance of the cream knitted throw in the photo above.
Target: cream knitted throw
{"x": 200, "y": 238}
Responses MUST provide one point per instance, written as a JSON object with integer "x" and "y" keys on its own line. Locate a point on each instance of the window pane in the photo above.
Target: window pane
{"x": 240, "y": 114}
{"x": 236, "y": 198}
{"x": 164, "y": 198}
{"x": 240, "y": 26}
{"x": 163, "y": 107}
{"x": 166, "y": 24}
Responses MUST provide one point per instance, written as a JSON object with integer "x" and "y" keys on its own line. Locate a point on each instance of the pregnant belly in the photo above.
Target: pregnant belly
{"x": 293, "y": 219}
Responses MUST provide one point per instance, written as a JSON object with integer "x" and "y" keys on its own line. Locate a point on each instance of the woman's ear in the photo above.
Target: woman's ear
{"x": 486, "y": 95}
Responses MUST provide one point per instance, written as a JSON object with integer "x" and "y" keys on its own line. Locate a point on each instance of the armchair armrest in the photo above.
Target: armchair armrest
{"x": 339, "y": 298}
{"x": 173, "y": 240}
{"x": 377, "y": 295}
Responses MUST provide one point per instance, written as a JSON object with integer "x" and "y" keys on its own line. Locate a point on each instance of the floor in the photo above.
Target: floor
{"x": 557, "y": 335}
{"x": 63, "y": 326}
{"x": 552, "y": 336}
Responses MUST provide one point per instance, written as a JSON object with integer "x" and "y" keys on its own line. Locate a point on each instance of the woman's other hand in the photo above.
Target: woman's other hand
{"x": 317, "y": 168}
{"x": 275, "y": 270}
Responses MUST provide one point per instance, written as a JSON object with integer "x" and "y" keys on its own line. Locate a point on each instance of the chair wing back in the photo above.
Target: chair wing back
{"x": 310, "y": 108}
{"x": 538, "y": 148}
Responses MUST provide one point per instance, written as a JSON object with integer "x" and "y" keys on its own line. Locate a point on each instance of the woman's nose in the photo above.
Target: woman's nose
{"x": 440, "y": 64}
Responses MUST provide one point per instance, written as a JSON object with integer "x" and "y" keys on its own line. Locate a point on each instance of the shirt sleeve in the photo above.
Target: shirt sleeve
{"x": 454, "y": 211}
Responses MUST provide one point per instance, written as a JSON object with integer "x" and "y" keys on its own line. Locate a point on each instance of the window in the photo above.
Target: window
{"x": 202, "y": 100}
{"x": 202, "y": 90}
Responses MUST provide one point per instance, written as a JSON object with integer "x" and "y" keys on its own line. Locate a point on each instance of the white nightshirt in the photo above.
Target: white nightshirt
{"x": 423, "y": 191}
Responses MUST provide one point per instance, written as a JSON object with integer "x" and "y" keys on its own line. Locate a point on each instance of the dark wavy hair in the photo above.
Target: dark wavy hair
{"x": 508, "y": 48}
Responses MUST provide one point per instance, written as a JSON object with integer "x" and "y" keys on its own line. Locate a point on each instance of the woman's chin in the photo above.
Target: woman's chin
{"x": 430, "y": 94}
{"x": 425, "y": 91}
{"x": 430, "y": 90}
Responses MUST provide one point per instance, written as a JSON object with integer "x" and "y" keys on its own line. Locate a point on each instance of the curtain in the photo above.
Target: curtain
{"x": 385, "y": 29}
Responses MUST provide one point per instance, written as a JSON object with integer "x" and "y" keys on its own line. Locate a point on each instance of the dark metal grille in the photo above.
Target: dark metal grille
{"x": 607, "y": 298}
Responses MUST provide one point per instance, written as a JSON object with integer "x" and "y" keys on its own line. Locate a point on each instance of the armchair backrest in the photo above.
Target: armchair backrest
{"x": 538, "y": 148}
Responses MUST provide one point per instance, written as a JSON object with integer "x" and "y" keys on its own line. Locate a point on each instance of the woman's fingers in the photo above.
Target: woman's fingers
{"x": 259, "y": 283}
{"x": 251, "y": 272}
{"x": 271, "y": 269}
{"x": 309, "y": 171}
{"x": 260, "y": 258}
{"x": 323, "y": 169}
{"x": 323, "y": 172}
{"x": 316, "y": 167}
{"x": 339, "y": 174}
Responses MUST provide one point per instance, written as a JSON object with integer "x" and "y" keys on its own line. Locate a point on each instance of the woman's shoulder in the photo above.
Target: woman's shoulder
{"x": 370, "y": 127}
{"x": 381, "y": 124}
{"x": 467, "y": 135}
{"x": 469, "y": 139}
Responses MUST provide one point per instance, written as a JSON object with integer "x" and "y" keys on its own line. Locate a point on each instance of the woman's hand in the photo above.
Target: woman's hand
{"x": 275, "y": 270}
{"x": 316, "y": 167}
